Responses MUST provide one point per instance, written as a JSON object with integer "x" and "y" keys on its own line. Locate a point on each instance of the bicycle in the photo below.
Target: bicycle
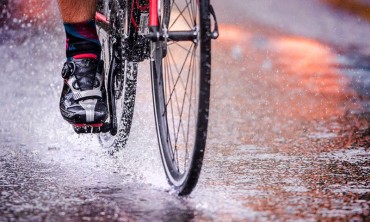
{"x": 166, "y": 32}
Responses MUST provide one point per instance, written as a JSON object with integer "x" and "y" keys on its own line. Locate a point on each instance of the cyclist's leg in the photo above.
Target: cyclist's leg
{"x": 74, "y": 11}
{"x": 82, "y": 101}
{"x": 81, "y": 36}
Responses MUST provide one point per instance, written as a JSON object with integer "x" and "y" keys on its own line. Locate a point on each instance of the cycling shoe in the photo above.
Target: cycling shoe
{"x": 83, "y": 100}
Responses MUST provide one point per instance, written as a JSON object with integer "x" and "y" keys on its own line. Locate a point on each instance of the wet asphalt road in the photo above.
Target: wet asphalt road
{"x": 289, "y": 125}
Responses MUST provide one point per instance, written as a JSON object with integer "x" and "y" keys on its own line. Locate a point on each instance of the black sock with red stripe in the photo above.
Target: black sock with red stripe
{"x": 82, "y": 40}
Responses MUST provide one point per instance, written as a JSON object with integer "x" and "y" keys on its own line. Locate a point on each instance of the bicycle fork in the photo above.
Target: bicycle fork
{"x": 157, "y": 33}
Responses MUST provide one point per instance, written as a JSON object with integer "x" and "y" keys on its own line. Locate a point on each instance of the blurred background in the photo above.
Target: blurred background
{"x": 289, "y": 132}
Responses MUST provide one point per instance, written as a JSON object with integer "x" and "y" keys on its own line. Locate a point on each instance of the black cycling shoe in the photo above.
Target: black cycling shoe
{"x": 83, "y": 100}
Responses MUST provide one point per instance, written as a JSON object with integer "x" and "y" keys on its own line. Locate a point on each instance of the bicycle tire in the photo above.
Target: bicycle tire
{"x": 125, "y": 74}
{"x": 183, "y": 179}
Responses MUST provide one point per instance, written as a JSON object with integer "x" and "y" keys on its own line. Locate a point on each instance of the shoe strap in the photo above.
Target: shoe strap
{"x": 81, "y": 95}
{"x": 86, "y": 94}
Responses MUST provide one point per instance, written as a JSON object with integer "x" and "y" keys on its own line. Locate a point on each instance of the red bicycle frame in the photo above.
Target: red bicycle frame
{"x": 153, "y": 14}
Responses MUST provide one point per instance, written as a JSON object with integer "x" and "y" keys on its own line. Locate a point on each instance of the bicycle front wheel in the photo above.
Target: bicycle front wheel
{"x": 181, "y": 71}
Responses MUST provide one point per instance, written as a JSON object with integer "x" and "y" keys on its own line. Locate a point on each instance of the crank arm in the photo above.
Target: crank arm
{"x": 111, "y": 101}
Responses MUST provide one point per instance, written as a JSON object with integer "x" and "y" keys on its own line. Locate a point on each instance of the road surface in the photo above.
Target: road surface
{"x": 289, "y": 132}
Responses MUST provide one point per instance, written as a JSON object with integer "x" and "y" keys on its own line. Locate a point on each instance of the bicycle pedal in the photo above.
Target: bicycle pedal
{"x": 89, "y": 128}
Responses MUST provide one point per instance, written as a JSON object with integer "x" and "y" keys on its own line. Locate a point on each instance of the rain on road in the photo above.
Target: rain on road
{"x": 289, "y": 130}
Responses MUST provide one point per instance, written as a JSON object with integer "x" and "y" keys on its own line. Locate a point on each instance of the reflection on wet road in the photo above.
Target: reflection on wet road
{"x": 289, "y": 128}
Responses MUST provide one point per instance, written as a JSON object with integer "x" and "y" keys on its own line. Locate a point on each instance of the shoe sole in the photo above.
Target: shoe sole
{"x": 87, "y": 128}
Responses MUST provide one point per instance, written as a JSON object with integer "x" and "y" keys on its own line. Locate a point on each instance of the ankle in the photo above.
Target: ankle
{"x": 82, "y": 40}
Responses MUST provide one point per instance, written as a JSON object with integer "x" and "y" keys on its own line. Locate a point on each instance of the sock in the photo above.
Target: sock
{"x": 82, "y": 40}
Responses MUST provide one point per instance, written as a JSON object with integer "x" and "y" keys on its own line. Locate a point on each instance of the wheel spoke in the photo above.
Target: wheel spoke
{"x": 181, "y": 14}
{"x": 177, "y": 105}
{"x": 178, "y": 71}
{"x": 168, "y": 71}
{"x": 183, "y": 104}
{"x": 189, "y": 9}
{"x": 195, "y": 56}
{"x": 174, "y": 92}
{"x": 194, "y": 7}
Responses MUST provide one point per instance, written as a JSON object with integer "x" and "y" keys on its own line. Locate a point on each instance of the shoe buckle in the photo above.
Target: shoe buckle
{"x": 68, "y": 69}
